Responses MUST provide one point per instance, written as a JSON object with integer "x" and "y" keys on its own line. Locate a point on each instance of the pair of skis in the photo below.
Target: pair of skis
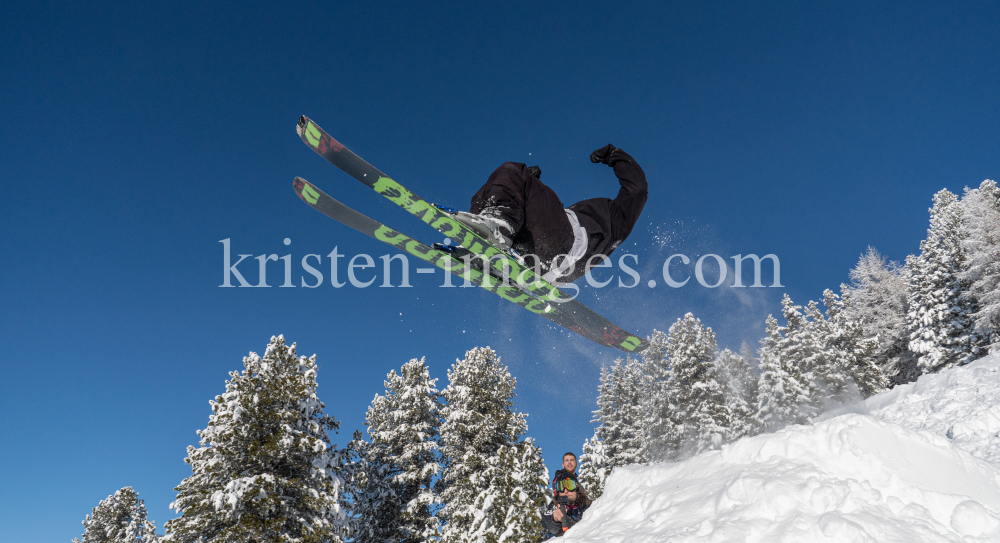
{"x": 476, "y": 260}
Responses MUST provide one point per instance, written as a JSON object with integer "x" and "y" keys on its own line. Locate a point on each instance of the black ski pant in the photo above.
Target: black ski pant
{"x": 533, "y": 211}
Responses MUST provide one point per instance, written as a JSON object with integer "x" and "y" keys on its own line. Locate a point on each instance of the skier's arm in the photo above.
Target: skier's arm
{"x": 627, "y": 206}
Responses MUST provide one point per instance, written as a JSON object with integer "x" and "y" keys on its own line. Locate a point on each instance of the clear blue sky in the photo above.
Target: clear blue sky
{"x": 135, "y": 138}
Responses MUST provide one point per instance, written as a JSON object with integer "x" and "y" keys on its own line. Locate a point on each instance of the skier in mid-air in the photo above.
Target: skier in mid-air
{"x": 514, "y": 210}
{"x": 516, "y": 213}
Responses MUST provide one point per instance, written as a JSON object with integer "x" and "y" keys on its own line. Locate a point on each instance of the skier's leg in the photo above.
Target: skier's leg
{"x": 533, "y": 211}
{"x": 503, "y": 195}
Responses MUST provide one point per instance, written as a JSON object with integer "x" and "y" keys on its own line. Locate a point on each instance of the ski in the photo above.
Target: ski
{"x": 334, "y": 152}
{"x": 447, "y": 261}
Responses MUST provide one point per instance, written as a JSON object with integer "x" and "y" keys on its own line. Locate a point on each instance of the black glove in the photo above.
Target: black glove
{"x": 603, "y": 154}
{"x": 535, "y": 171}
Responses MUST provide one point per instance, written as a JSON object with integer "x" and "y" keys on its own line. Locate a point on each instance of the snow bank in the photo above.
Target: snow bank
{"x": 962, "y": 405}
{"x": 914, "y": 464}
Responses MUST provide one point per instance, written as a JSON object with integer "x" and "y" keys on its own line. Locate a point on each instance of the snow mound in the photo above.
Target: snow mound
{"x": 962, "y": 404}
{"x": 912, "y": 464}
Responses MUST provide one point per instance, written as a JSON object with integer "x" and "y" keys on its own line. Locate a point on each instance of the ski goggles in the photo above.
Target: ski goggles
{"x": 566, "y": 485}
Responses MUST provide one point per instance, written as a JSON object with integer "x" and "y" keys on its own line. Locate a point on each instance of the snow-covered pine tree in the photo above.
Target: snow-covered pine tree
{"x": 403, "y": 453}
{"x": 750, "y": 382}
{"x": 368, "y": 491}
{"x": 685, "y": 410}
{"x": 877, "y": 299}
{"x": 740, "y": 390}
{"x": 702, "y": 413}
{"x": 480, "y": 434}
{"x": 620, "y": 437}
{"x": 517, "y": 491}
{"x": 800, "y": 350}
{"x": 594, "y": 468}
{"x": 119, "y": 518}
{"x": 657, "y": 399}
{"x": 783, "y": 392}
{"x": 940, "y": 317}
{"x": 825, "y": 365}
{"x": 266, "y": 470}
{"x": 856, "y": 353}
{"x": 981, "y": 241}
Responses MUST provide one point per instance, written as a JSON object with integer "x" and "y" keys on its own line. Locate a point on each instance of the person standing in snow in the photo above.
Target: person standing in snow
{"x": 514, "y": 210}
{"x": 570, "y": 502}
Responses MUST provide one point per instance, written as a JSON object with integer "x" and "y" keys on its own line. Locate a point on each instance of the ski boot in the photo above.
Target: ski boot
{"x": 496, "y": 231}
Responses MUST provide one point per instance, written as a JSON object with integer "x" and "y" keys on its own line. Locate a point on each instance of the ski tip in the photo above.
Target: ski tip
{"x": 303, "y": 121}
{"x": 633, "y": 344}
{"x": 306, "y": 191}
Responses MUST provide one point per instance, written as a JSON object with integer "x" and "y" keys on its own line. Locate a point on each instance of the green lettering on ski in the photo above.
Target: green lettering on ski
{"x": 537, "y": 306}
{"x": 310, "y": 194}
{"x": 442, "y": 262}
{"x": 404, "y": 198}
{"x": 447, "y": 225}
{"x": 392, "y": 190}
{"x": 422, "y": 210}
{"x": 312, "y": 134}
{"x": 412, "y": 248}
{"x": 515, "y": 295}
{"x": 631, "y": 343}
{"x": 459, "y": 268}
{"x": 390, "y": 236}
{"x": 409, "y": 201}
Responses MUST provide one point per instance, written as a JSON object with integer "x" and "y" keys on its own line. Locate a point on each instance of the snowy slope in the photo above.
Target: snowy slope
{"x": 917, "y": 463}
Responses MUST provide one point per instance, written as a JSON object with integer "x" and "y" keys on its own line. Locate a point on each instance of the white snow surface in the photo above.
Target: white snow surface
{"x": 919, "y": 463}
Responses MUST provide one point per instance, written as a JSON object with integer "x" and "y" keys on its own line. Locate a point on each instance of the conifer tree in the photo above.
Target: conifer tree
{"x": 517, "y": 488}
{"x": 620, "y": 412}
{"x": 493, "y": 483}
{"x": 657, "y": 398}
{"x": 620, "y": 437}
{"x": 594, "y": 467}
{"x": 266, "y": 470}
{"x": 981, "y": 241}
{"x": 783, "y": 392}
{"x": 877, "y": 299}
{"x": 403, "y": 454}
{"x": 702, "y": 418}
{"x": 856, "y": 353}
{"x": 688, "y": 412}
{"x": 749, "y": 381}
{"x": 815, "y": 362}
{"x": 368, "y": 489}
{"x": 740, "y": 390}
{"x": 800, "y": 348}
{"x": 824, "y": 366}
{"x": 119, "y": 518}
{"x": 940, "y": 317}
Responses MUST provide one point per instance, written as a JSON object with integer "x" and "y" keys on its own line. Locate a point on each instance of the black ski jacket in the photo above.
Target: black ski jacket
{"x": 539, "y": 222}
{"x": 608, "y": 222}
